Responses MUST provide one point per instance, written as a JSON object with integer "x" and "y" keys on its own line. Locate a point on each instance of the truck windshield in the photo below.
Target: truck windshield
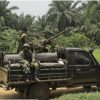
{"x": 79, "y": 58}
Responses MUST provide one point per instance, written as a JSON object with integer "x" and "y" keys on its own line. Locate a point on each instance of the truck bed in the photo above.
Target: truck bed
{"x": 15, "y": 76}
{"x": 4, "y": 75}
{"x": 48, "y": 72}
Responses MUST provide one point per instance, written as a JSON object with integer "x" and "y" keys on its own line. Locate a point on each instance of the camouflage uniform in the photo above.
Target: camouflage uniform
{"x": 45, "y": 47}
{"x": 27, "y": 60}
{"x": 24, "y": 38}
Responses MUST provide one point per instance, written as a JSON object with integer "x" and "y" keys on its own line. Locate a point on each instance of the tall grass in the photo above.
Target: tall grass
{"x": 81, "y": 96}
{"x": 96, "y": 53}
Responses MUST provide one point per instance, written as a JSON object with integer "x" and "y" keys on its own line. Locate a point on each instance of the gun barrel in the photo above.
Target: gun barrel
{"x": 51, "y": 38}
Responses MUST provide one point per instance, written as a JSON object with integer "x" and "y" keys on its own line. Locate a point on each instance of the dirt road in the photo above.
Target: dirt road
{"x": 11, "y": 94}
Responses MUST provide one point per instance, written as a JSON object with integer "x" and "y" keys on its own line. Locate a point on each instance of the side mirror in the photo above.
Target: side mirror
{"x": 91, "y": 51}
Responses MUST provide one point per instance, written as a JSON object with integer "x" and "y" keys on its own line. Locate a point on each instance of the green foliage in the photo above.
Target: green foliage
{"x": 36, "y": 41}
{"x": 62, "y": 14}
{"x": 25, "y": 21}
{"x": 74, "y": 40}
{"x": 81, "y": 96}
{"x": 9, "y": 41}
{"x": 90, "y": 20}
{"x": 5, "y": 12}
{"x": 96, "y": 54}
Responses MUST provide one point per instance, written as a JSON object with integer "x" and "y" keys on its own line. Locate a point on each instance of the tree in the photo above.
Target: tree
{"x": 91, "y": 20}
{"x": 41, "y": 23}
{"x": 62, "y": 14}
{"x": 12, "y": 21}
{"x": 25, "y": 21}
{"x": 5, "y": 12}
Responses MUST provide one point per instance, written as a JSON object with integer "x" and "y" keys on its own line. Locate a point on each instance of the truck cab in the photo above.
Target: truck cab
{"x": 83, "y": 68}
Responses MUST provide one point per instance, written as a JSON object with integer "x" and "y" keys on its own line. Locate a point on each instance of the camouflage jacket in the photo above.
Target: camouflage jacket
{"x": 24, "y": 38}
{"x": 27, "y": 59}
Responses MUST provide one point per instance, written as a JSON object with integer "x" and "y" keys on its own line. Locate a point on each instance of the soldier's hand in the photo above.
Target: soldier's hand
{"x": 26, "y": 69}
{"x": 32, "y": 63}
{"x": 24, "y": 66}
{"x": 27, "y": 63}
{"x": 36, "y": 64}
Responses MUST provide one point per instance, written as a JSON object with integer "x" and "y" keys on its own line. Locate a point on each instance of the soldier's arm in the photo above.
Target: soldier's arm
{"x": 22, "y": 60}
{"x": 34, "y": 62}
{"x": 33, "y": 58}
{"x": 25, "y": 37}
{"x": 21, "y": 56}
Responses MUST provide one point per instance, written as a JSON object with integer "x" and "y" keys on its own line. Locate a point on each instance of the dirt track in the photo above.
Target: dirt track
{"x": 11, "y": 94}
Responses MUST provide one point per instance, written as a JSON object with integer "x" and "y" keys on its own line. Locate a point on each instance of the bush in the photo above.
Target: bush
{"x": 74, "y": 40}
{"x": 81, "y": 96}
{"x": 9, "y": 42}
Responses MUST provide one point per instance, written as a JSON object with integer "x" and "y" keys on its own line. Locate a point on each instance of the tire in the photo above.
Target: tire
{"x": 98, "y": 88}
{"x": 39, "y": 91}
{"x": 23, "y": 92}
{"x": 87, "y": 89}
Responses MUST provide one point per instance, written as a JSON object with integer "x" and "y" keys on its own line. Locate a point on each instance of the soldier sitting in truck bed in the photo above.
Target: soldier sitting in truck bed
{"x": 27, "y": 61}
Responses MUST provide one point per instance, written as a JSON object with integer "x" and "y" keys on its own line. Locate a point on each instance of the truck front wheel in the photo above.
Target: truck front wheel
{"x": 87, "y": 88}
{"x": 39, "y": 91}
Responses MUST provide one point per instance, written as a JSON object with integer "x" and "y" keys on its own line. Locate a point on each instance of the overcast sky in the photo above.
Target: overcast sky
{"x": 33, "y": 7}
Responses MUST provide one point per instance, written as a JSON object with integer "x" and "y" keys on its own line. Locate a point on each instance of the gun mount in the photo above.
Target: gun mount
{"x": 48, "y": 41}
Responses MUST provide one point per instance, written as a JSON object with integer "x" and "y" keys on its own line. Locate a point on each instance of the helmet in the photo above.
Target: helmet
{"x": 26, "y": 45}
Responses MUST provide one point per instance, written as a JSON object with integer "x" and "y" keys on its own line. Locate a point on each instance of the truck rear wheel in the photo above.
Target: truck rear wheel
{"x": 23, "y": 91}
{"x": 39, "y": 91}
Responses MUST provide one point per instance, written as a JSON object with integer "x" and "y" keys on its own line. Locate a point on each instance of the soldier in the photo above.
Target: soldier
{"x": 43, "y": 47}
{"x": 47, "y": 46}
{"x": 24, "y": 38}
{"x": 27, "y": 61}
{"x": 52, "y": 46}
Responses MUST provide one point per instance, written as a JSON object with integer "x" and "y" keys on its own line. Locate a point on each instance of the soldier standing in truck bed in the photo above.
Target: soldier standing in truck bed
{"x": 24, "y": 38}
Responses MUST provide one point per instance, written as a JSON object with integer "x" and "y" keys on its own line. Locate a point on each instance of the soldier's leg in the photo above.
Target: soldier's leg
{"x": 26, "y": 71}
{"x": 34, "y": 71}
{"x": 36, "y": 74}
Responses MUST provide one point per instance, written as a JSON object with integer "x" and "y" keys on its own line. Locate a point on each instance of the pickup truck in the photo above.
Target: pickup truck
{"x": 67, "y": 67}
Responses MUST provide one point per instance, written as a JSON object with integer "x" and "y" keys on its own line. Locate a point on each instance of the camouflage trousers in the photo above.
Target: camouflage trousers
{"x": 28, "y": 66}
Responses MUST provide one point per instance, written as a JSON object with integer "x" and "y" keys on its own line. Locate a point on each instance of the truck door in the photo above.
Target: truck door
{"x": 81, "y": 66}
